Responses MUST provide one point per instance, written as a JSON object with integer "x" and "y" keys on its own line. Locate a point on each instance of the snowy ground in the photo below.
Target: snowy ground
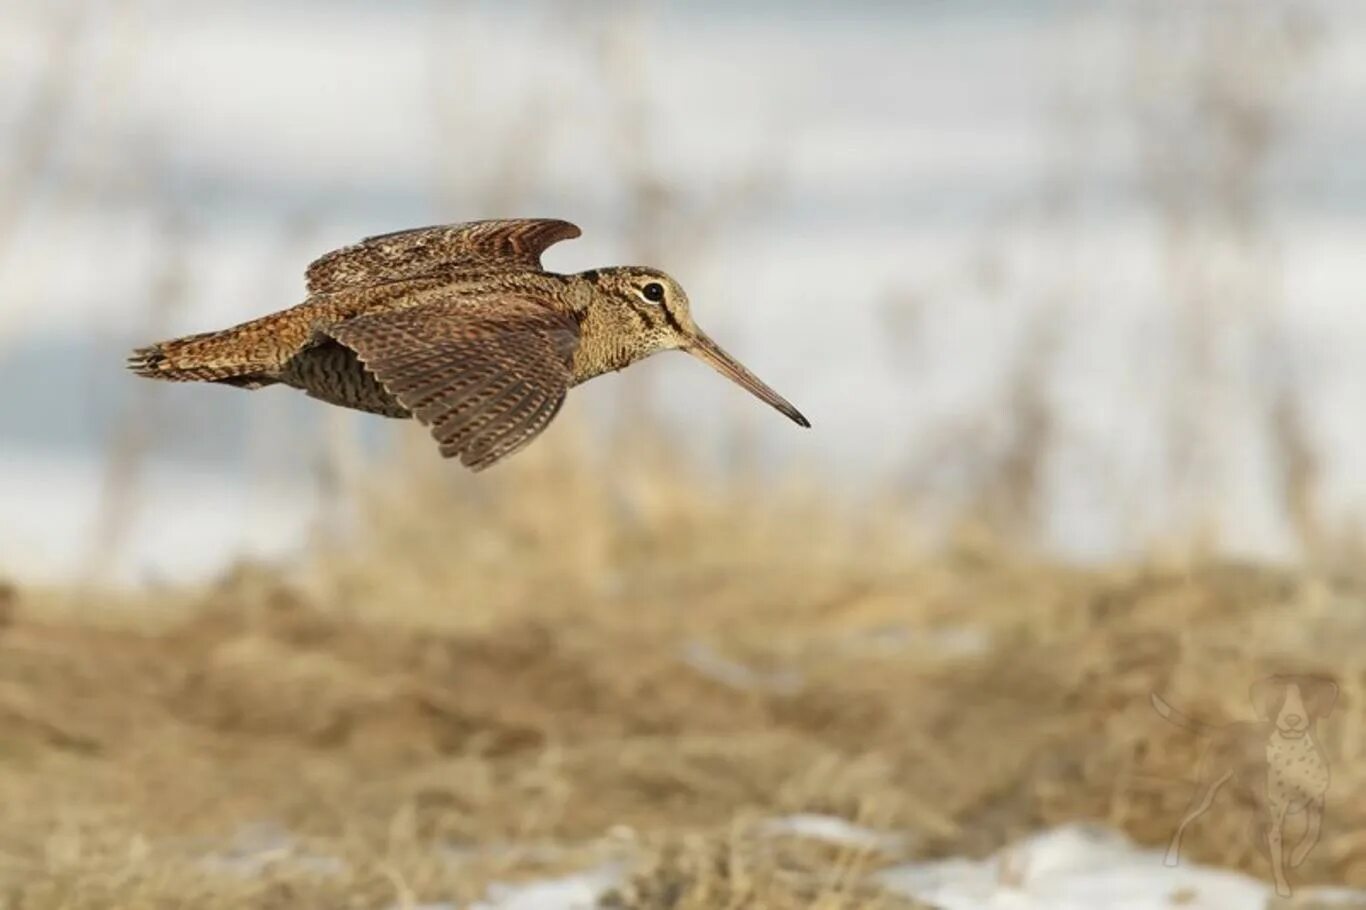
{"x": 1077, "y": 867}
{"x": 181, "y": 523}
{"x": 1073, "y": 868}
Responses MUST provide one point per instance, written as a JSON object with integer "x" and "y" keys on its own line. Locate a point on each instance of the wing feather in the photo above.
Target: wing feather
{"x": 530, "y": 415}
{"x": 473, "y": 246}
{"x": 486, "y": 376}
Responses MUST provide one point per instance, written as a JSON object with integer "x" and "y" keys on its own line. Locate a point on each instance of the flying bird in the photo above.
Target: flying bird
{"x": 457, "y": 326}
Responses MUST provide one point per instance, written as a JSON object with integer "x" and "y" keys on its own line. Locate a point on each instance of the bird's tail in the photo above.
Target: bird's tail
{"x": 194, "y": 357}
{"x": 243, "y": 355}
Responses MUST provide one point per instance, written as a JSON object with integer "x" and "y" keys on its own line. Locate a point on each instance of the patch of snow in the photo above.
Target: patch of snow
{"x": 834, "y": 830}
{"x": 1081, "y": 867}
{"x": 186, "y": 525}
{"x": 579, "y": 891}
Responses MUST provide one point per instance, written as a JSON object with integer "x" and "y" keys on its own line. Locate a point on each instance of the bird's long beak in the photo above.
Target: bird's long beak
{"x": 708, "y": 351}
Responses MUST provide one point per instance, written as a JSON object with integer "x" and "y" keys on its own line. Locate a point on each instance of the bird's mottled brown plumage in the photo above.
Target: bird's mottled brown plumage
{"x": 458, "y": 326}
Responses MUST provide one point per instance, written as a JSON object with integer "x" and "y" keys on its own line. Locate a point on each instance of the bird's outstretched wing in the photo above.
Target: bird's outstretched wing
{"x": 485, "y": 375}
{"x": 513, "y": 244}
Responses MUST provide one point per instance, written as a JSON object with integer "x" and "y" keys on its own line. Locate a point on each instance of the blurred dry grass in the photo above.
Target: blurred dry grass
{"x": 544, "y": 670}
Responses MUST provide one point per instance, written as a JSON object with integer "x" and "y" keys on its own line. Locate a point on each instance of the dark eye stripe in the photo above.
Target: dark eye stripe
{"x": 669, "y": 318}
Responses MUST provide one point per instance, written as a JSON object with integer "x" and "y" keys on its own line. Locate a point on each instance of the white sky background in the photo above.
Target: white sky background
{"x": 907, "y": 151}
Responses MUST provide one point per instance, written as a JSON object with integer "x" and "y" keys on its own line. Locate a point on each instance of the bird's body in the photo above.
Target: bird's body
{"x": 458, "y": 326}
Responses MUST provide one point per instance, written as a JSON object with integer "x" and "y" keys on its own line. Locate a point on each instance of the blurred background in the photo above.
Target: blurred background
{"x": 1071, "y": 292}
{"x": 1082, "y": 272}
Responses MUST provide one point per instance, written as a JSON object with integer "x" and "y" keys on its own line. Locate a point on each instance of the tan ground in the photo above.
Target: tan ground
{"x": 555, "y": 665}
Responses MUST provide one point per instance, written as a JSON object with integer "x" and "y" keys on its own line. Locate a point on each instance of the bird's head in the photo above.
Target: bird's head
{"x": 657, "y": 316}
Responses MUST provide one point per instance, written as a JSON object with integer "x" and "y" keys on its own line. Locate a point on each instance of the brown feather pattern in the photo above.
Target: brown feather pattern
{"x": 484, "y": 374}
{"x": 515, "y": 244}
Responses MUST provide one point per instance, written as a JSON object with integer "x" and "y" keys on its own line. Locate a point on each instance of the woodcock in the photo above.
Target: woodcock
{"x": 458, "y": 326}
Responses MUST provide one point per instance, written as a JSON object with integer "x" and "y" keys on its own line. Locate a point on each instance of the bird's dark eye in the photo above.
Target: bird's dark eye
{"x": 653, "y": 291}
